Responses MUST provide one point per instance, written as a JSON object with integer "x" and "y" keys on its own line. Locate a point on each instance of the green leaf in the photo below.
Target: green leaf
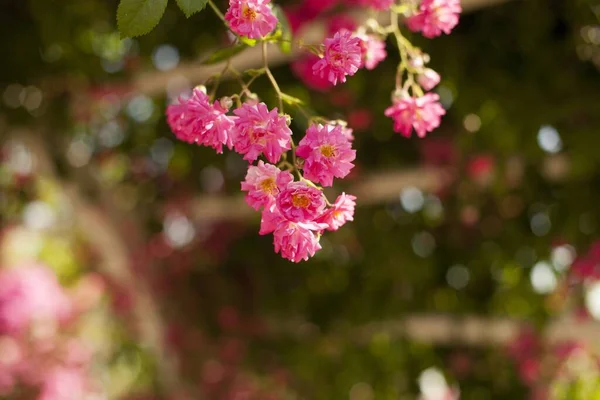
{"x": 138, "y": 17}
{"x": 190, "y": 7}
{"x": 285, "y": 41}
{"x": 247, "y": 41}
{"x": 225, "y": 53}
{"x": 291, "y": 100}
{"x": 255, "y": 72}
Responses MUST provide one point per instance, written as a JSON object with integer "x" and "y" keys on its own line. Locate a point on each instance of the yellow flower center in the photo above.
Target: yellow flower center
{"x": 327, "y": 150}
{"x": 300, "y": 200}
{"x": 268, "y": 185}
{"x": 249, "y": 13}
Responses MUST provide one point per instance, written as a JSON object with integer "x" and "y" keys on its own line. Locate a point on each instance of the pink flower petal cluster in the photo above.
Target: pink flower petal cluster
{"x": 380, "y": 5}
{"x": 295, "y": 241}
{"x": 422, "y": 113}
{"x": 260, "y": 131}
{"x": 428, "y": 79}
{"x": 435, "y": 17}
{"x": 587, "y": 266}
{"x": 251, "y": 18}
{"x": 300, "y": 202}
{"x": 299, "y": 216}
{"x": 342, "y": 57}
{"x": 372, "y": 50}
{"x": 327, "y": 153}
{"x": 30, "y": 295}
{"x": 340, "y": 212}
{"x": 195, "y": 120}
{"x": 263, "y": 183}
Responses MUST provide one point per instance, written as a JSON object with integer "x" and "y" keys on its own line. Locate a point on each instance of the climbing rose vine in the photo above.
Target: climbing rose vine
{"x": 286, "y": 176}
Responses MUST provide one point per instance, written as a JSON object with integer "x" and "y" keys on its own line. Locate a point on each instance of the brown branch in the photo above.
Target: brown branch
{"x": 103, "y": 236}
{"x": 446, "y": 330}
{"x": 153, "y": 82}
{"x": 372, "y": 189}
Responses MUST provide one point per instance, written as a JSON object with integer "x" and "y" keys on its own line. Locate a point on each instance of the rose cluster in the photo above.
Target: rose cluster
{"x": 296, "y": 212}
{"x": 35, "y": 353}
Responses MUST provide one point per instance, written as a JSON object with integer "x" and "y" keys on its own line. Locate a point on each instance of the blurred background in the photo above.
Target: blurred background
{"x": 131, "y": 268}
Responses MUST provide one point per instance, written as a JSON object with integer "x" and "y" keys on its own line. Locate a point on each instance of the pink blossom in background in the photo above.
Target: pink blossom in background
{"x": 327, "y": 153}
{"x": 298, "y": 15}
{"x": 195, "y": 120}
{"x": 360, "y": 119}
{"x": 373, "y": 50}
{"x": 303, "y": 69}
{"x": 320, "y": 6}
{"x": 380, "y": 5}
{"x": 340, "y": 212}
{"x": 435, "y": 17}
{"x": 251, "y": 18}
{"x": 260, "y": 131}
{"x": 263, "y": 183}
{"x": 340, "y": 22}
{"x": 481, "y": 167}
{"x": 296, "y": 241}
{"x": 587, "y": 266}
{"x": 299, "y": 202}
{"x": 61, "y": 383}
{"x": 30, "y": 294}
{"x": 421, "y": 113}
{"x": 428, "y": 79}
{"x": 438, "y": 151}
{"x": 342, "y": 57}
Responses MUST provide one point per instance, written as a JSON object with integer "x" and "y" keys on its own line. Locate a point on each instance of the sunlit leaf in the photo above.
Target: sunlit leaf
{"x": 138, "y": 17}
{"x": 247, "y": 41}
{"x": 255, "y": 72}
{"x": 285, "y": 41}
{"x": 291, "y": 100}
{"x": 225, "y": 54}
{"x": 190, "y": 7}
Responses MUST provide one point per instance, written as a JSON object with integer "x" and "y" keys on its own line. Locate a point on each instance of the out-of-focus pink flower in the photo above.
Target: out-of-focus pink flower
{"x": 303, "y": 69}
{"x": 29, "y": 295}
{"x": 342, "y": 57}
{"x": 529, "y": 370}
{"x": 372, "y": 50}
{"x": 421, "y": 113}
{"x": 63, "y": 384}
{"x": 340, "y": 212}
{"x": 340, "y": 22}
{"x": 263, "y": 183}
{"x": 435, "y": 17}
{"x": 195, "y": 120}
{"x": 481, "y": 167}
{"x": 320, "y": 6}
{"x": 564, "y": 350}
{"x": 360, "y": 119}
{"x": 251, "y": 18}
{"x": 299, "y": 202}
{"x": 260, "y": 131}
{"x": 428, "y": 79}
{"x": 525, "y": 345}
{"x": 438, "y": 151}
{"x": 327, "y": 153}
{"x": 381, "y": 5}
